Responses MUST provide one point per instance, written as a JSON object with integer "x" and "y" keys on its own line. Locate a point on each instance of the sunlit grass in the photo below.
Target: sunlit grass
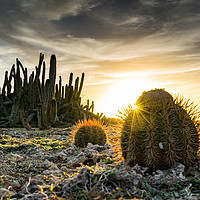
{"x": 9, "y": 144}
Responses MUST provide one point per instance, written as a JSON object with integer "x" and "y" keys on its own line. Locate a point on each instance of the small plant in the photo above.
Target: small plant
{"x": 89, "y": 131}
{"x": 161, "y": 132}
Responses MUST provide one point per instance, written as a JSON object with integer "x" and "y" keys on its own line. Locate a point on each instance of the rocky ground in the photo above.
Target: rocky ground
{"x": 46, "y": 165}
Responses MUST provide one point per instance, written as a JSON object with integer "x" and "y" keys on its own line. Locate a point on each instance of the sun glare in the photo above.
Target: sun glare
{"x": 122, "y": 93}
{"x": 134, "y": 106}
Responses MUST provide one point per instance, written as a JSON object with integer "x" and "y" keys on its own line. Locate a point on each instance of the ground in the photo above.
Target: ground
{"x": 46, "y": 165}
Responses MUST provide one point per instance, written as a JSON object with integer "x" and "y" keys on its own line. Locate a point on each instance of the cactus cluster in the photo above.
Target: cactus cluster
{"x": 37, "y": 101}
{"x": 161, "y": 132}
{"x": 89, "y": 131}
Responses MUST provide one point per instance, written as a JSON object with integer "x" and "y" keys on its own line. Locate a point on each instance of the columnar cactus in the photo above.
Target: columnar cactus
{"x": 37, "y": 100}
{"x": 89, "y": 131}
{"x": 161, "y": 132}
{"x": 47, "y": 109}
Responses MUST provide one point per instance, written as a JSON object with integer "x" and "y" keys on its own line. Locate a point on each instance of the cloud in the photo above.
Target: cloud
{"x": 140, "y": 74}
{"x": 117, "y": 19}
{"x": 49, "y": 9}
{"x": 108, "y": 40}
{"x": 100, "y": 20}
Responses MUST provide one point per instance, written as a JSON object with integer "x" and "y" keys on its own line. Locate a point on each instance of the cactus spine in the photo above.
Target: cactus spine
{"x": 161, "y": 132}
{"x": 89, "y": 131}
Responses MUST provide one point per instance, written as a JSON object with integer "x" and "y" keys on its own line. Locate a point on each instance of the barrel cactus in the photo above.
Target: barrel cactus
{"x": 89, "y": 131}
{"x": 160, "y": 132}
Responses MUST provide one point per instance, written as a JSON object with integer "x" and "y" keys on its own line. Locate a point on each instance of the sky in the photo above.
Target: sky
{"x": 124, "y": 47}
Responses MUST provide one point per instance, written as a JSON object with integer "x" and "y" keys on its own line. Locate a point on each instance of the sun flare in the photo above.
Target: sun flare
{"x": 122, "y": 93}
{"x": 134, "y": 107}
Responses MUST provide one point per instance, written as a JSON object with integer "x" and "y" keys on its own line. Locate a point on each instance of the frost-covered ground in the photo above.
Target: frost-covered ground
{"x": 46, "y": 165}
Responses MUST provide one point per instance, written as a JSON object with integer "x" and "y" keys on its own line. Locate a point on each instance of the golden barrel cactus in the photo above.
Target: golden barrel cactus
{"x": 89, "y": 131}
{"x": 160, "y": 132}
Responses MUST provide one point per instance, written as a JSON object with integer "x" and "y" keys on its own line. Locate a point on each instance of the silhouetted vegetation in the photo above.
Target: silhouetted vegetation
{"x": 35, "y": 101}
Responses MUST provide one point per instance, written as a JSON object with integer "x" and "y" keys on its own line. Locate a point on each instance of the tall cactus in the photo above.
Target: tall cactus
{"x": 52, "y": 73}
{"x": 47, "y": 109}
{"x": 38, "y": 101}
{"x": 161, "y": 132}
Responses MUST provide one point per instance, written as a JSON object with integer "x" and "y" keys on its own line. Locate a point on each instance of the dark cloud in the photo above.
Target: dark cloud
{"x": 117, "y": 19}
{"x": 113, "y": 19}
{"x": 107, "y": 39}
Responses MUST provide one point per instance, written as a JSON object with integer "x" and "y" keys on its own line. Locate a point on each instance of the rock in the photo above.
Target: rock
{"x": 71, "y": 145}
{"x": 64, "y": 168}
{"x": 1, "y": 154}
{"x": 54, "y": 167}
{"x": 94, "y": 155}
{"x": 90, "y": 153}
{"x": 96, "y": 147}
{"x": 170, "y": 176}
{"x": 159, "y": 175}
{"x": 35, "y": 196}
{"x": 34, "y": 150}
{"x": 33, "y": 185}
{"x": 14, "y": 156}
{"x": 127, "y": 179}
{"x": 74, "y": 161}
{"x": 178, "y": 171}
{"x": 107, "y": 146}
{"x": 62, "y": 137}
{"x": 70, "y": 151}
{"x": 47, "y": 163}
{"x": 140, "y": 170}
{"x": 80, "y": 179}
{"x": 60, "y": 156}
{"x": 194, "y": 171}
{"x": 52, "y": 170}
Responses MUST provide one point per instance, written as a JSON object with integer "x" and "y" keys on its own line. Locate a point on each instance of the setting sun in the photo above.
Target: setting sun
{"x": 134, "y": 107}
{"x": 122, "y": 93}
